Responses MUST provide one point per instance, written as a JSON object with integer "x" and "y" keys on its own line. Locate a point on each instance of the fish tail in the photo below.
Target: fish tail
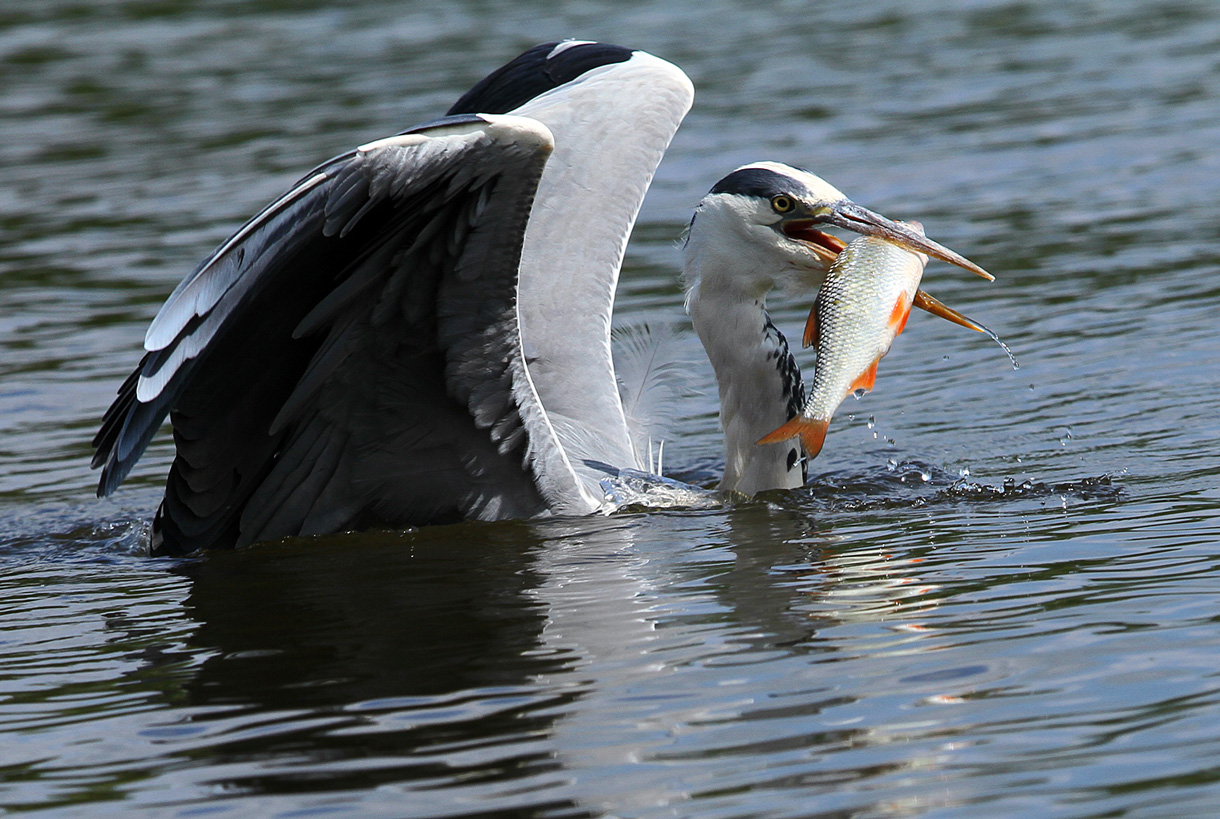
{"x": 811, "y": 431}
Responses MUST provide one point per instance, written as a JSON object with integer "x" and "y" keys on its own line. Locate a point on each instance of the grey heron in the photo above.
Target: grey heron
{"x": 418, "y": 331}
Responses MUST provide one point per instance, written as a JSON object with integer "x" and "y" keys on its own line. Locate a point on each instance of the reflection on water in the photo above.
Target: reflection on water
{"x": 995, "y": 597}
{"x": 418, "y": 652}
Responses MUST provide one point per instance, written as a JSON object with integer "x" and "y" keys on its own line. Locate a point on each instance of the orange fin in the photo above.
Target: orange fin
{"x": 899, "y": 315}
{"x": 811, "y": 327}
{"x": 866, "y": 379}
{"x": 811, "y": 431}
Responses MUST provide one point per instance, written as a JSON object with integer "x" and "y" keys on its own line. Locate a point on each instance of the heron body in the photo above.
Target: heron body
{"x": 418, "y": 332}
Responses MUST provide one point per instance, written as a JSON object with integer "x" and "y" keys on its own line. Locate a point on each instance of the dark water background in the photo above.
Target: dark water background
{"x": 998, "y": 596}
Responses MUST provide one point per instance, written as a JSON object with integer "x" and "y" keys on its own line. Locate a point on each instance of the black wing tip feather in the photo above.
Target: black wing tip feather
{"x": 128, "y": 426}
{"x": 535, "y": 72}
{"x": 445, "y": 121}
{"x": 106, "y": 441}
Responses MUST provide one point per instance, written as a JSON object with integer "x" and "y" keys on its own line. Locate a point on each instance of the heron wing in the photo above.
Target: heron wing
{"x": 351, "y": 356}
{"x": 611, "y": 126}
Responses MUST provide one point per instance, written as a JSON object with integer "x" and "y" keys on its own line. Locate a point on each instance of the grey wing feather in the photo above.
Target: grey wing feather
{"x": 335, "y": 354}
{"x": 655, "y": 377}
{"x": 572, "y": 255}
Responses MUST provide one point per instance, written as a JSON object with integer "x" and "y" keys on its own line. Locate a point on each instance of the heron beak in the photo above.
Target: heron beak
{"x": 924, "y": 301}
{"x": 853, "y": 217}
{"x": 825, "y": 246}
{"x": 938, "y": 308}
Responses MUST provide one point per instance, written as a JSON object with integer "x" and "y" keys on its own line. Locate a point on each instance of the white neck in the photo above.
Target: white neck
{"x": 756, "y": 376}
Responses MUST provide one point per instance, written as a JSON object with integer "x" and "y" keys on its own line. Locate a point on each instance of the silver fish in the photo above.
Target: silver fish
{"x": 861, "y": 308}
{"x": 863, "y": 305}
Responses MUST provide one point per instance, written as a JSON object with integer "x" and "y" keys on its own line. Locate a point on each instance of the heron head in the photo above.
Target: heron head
{"x": 764, "y": 222}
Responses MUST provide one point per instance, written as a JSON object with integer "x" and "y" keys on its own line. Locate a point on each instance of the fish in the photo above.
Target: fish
{"x": 862, "y": 306}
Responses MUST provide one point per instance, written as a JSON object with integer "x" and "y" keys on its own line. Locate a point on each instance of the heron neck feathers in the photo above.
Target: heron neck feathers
{"x": 759, "y": 384}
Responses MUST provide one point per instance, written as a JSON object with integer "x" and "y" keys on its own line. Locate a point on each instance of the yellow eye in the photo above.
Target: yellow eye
{"x": 782, "y": 203}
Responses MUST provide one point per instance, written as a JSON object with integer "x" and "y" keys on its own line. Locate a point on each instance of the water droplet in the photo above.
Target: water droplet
{"x": 1003, "y": 346}
{"x": 891, "y": 464}
{"x": 964, "y": 472}
{"x": 872, "y": 422}
{"x": 925, "y": 477}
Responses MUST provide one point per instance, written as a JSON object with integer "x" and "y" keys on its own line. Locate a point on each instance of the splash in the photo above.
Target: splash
{"x": 913, "y": 484}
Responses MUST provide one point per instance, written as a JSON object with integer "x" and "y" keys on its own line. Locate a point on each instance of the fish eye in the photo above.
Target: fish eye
{"x": 782, "y": 203}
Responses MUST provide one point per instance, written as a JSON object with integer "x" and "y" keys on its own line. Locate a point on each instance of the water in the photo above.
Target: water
{"x": 996, "y": 597}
